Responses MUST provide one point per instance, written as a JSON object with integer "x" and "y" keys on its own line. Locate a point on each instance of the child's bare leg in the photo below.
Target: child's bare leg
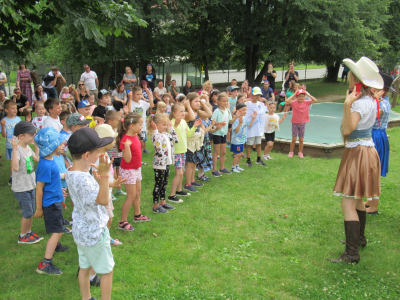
{"x": 106, "y": 285}
{"x": 136, "y": 200}
{"x": 84, "y": 283}
{"x": 293, "y": 143}
{"x": 222, "y": 157}
{"x": 236, "y": 159}
{"x": 109, "y": 223}
{"x": 301, "y": 140}
{"x": 131, "y": 192}
{"x": 268, "y": 148}
{"x": 51, "y": 245}
{"x": 215, "y": 156}
{"x": 228, "y": 135}
{"x": 258, "y": 150}
{"x": 26, "y": 225}
{"x": 374, "y": 205}
{"x": 188, "y": 173}
{"x": 200, "y": 173}
{"x": 248, "y": 151}
{"x": 176, "y": 184}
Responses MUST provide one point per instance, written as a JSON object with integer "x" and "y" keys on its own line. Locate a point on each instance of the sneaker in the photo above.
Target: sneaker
{"x": 174, "y": 199}
{"x": 61, "y": 248}
{"x": 216, "y": 173}
{"x": 95, "y": 281}
{"x": 168, "y": 206}
{"x": 37, "y": 236}
{"x": 160, "y": 210}
{"x": 228, "y": 144}
{"x": 249, "y": 164}
{"x": 28, "y": 239}
{"x": 67, "y": 223}
{"x": 113, "y": 198}
{"x": 265, "y": 157}
{"x": 144, "y": 164}
{"x": 301, "y": 155}
{"x": 190, "y": 188}
{"x": 48, "y": 268}
{"x": 183, "y": 194}
{"x": 225, "y": 171}
{"x": 290, "y": 154}
{"x": 239, "y": 168}
{"x": 203, "y": 178}
{"x": 145, "y": 151}
{"x": 120, "y": 192}
{"x": 261, "y": 162}
{"x": 269, "y": 157}
{"x": 234, "y": 170}
{"x": 195, "y": 183}
{"x": 10, "y": 181}
{"x": 67, "y": 230}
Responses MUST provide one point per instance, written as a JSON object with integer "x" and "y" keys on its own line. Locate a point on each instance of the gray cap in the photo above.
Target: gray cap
{"x": 77, "y": 119}
{"x": 24, "y": 127}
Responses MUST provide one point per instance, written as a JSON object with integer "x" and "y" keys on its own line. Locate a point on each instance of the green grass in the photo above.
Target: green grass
{"x": 319, "y": 88}
{"x": 263, "y": 234}
{"x": 12, "y": 79}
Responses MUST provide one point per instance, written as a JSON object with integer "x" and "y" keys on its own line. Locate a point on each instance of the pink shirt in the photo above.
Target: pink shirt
{"x": 300, "y": 111}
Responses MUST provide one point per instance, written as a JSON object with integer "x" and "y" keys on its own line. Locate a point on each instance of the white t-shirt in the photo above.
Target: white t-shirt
{"x": 271, "y": 123}
{"x": 2, "y": 77}
{"x": 40, "y": 98}
{"x": 110, "y": 174}
{"x": 258, "y": 126}
{"x": 89, "y": 79}
{"x": 49, "y": 86}
{"x": 160, "y": 91}
{"x": 50, "y": 122}
{"x": 141, "y": 109}
{"x": 38, "y": 122}
{"x": 90, "y": 218}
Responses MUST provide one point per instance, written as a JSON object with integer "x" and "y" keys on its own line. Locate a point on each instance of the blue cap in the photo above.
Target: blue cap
{"x": 83, "y": 103}
{"x": 48, "y": 139}
{"x": 234, "y": 87}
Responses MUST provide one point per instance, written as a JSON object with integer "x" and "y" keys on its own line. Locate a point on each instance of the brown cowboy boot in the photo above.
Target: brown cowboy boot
{"x": 362, "y": 216}
{"x": 350, "y": 254}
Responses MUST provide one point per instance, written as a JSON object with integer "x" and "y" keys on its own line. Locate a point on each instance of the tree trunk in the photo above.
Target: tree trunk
{"x": 333, "y": 71}
{"x": 206, "y": 77}
{"x": 248, "y": 55}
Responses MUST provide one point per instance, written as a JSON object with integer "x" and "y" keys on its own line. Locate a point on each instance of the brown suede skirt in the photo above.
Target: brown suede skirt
{"x": 359, "y": 174}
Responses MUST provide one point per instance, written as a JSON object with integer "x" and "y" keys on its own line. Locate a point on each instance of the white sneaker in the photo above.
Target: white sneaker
{"x": 269, "y": 157}
{"x": 265, "y": 157}
{"x": 234, "y": 170}
{"x": 239, "y": 168}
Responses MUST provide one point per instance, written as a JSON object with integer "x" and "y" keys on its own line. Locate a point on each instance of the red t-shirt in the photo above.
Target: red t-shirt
{"x": 136, "y": 151}
{"x": 300, "y": 111}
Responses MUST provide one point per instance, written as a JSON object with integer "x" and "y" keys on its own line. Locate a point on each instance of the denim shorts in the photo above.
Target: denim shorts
{"x": 26, "y": 201}
{"x": 8, "y": 154}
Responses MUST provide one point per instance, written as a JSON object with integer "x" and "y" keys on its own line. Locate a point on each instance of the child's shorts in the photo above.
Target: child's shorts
{"x": 298, "y": 129}
{"x": 180, "y": 160}
{"x": 237, "y": 148}
{"x": 110, "y": 208}
{"x": 143, "y": 136}
{"x": 229, "y": 125}
{"x": 53, "y": 218}
{"x": 218, "y": 139}
{"x": 99, "y": 256}
{"x": 117, "y": 162}
{"x": 26, "y": 201}
{"x": 133, "y": 175}
{"x": 270, "y": 137}
{"x": 8, "y": 154}
{"x": 253, "y": 140}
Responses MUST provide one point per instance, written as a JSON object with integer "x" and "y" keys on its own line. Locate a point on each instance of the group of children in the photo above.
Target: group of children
{"x": 89, "y": 163}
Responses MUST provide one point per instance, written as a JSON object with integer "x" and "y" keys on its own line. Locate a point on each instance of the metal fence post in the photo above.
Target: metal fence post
{"x": 182, "y": 73}
{"x": 228, "y": 70}
{"x": 305, "y": 73}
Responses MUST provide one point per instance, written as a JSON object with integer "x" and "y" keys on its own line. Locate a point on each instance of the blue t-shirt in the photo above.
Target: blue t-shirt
{"x": 10, "y": 125}
{"x": 47, "y": 172}
{"x": 232, "y": 103}
{"x": 241, "y": 137}
{"x": 61, "y": 168}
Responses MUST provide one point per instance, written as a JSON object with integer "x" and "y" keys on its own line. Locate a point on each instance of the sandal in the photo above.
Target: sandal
{"x": 125, "y": 226}
{"x": 141, "y": 218}
{"x": 203, "y": 178}
{"x": 115, "y": 242}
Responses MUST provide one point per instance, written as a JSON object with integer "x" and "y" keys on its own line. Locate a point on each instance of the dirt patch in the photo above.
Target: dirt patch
{"x": 331, "y": 98}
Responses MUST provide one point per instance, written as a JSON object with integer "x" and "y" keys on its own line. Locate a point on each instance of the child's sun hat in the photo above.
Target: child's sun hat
{"x": 256, "y": 91}
{"x": 48, "y": 139}
{"x": 105, "y": 130}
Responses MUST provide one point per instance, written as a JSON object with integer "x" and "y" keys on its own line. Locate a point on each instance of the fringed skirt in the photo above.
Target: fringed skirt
{"x": 359, "y": 174}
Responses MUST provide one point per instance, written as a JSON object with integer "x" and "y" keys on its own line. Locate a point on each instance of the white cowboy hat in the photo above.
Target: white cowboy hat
{"x": 366, "y": 71}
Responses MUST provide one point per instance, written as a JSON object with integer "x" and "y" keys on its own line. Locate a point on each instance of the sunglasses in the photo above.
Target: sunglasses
{"x": 17, "y": 93}
{"x": 80, "y": 84}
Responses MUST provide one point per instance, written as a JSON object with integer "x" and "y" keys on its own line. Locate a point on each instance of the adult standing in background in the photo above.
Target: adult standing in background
{"x": 24, "y": 80}
{"x": 291, "y": 75}
{"x": 188, "y": 88}
{"x": 150, "y": 77}
{"x": 394, "y": 73}
{"x": 82, "y": 91}
{"x": 129, "y": 79}
{"x": 270, "y": 75}
{"x": 3, "y": 81}
{"x": 50, "y": 81}
{"x": 173, "y": 90}
{"x": 90, "y": 79}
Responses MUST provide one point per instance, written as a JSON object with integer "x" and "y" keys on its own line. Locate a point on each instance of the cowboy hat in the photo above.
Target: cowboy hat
{"x": 366, "y": 71}
{"x": 387, "y": 81}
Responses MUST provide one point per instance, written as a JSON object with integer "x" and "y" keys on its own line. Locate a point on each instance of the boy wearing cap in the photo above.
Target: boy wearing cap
{"x": 255, "y": 133}
{"x": 234, "y": 91}
{"x": 300, "y": 117}
{"x": 7, "y": 128}
{"x": 53, "y": 107}
{"x": 49, "y": 196}
{"x": 84, "y": 109}
{"x": 76, "y": 121}
{"x": 23, "y": 171}
{"x": 103, "y": 105}
{"x": 90, "y": 195}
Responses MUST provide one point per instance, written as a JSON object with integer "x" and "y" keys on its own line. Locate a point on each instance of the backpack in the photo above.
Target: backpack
{"x": 47, "y": 79}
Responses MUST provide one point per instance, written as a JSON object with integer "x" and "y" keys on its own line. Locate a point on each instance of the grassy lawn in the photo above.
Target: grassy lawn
{"x": 318, "y": 88}
{"x": 263, "y": 234}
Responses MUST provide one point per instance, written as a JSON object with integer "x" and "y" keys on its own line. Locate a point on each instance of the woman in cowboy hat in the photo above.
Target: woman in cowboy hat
{"x": 379, "y": 136}
{"x": 360, "y": 168}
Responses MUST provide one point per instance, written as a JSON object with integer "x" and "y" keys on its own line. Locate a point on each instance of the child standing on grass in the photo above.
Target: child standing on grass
{"x": 234, "y": 91}
{"x": 40, "y": 115}
{"x": 195, "y": 141}
{"x": 53, "y": 107}
{"x": 128, "y": 142}
{"x": 300, "y": 118}
{"x": 7, "y": 128}
{"x": 23, "y": 186}
{"x": 164, "y": 138}
{"x": 49, "y": 196}
{"x": 272, "y": 122}
{"x": 113, "y": 118}
{"x": 90, "y": 195}
{"x": 239, "y": 135}
{"x": 223, "y": 116}
{"x": 177, "y": 118}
